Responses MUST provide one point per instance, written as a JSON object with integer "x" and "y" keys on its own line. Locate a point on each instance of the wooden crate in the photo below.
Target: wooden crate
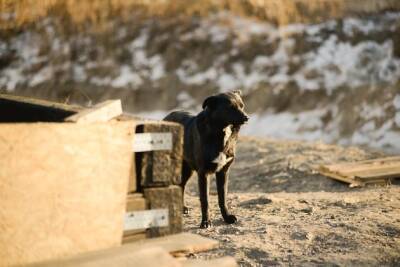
{"x": 153, "y": 169}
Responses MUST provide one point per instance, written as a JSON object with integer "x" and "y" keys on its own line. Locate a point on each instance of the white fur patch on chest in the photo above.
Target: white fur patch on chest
{"x": 227, "y": 133}
{"x": 221, "y": 160}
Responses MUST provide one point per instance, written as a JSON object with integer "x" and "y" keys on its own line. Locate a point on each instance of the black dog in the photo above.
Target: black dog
{"x": 209, "y": 146}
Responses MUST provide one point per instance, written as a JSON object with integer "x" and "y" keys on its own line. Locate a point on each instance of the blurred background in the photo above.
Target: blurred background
{"x": 311, "y": 70}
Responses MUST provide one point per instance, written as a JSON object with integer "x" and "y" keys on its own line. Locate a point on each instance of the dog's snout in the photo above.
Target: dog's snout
{"x": 246, "y": 117}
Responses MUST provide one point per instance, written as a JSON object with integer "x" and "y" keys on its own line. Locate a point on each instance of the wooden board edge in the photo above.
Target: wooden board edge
{"x": 219, "y": 262}
{"x": 41, "y": 102}
{"x": 101, "y": 112}
{"x": 336, "y": 176}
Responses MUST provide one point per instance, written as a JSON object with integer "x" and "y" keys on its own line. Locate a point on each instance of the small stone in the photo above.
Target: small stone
{"x": 299, "y": 235}
{"x": 307, "y": 210}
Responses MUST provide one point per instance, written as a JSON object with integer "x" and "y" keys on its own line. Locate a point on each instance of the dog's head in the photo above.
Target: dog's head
{"x": 226, "y": 108}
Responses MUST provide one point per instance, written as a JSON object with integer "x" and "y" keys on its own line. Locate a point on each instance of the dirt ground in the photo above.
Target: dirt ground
{"x": 290, "y": 215}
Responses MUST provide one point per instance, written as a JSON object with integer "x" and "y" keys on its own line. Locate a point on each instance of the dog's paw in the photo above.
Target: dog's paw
{"x": 185, "y": 210}
{"x": 205, "y": 224}
{"x": 229, "y": 219}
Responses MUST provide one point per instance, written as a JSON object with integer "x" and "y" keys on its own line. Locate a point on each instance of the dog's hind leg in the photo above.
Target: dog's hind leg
{"x": 186, "y": 174}
{"x": 222, "y": 188}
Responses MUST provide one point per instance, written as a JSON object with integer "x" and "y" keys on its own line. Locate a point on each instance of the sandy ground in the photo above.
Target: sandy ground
{"x": 291, "y": 216}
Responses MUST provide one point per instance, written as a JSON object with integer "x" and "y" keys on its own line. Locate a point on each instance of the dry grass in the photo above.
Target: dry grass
{"x": 18, "y": 13}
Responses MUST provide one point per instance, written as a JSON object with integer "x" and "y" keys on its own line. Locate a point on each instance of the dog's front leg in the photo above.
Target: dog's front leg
{"x": 204, "y": 192}
{"x": 222, "y": 188}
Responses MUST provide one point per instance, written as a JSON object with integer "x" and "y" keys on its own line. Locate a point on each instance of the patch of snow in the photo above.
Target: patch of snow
{"x": 397, "y": 118}
{"x": 10, "y": 78}
{"x": 45, "y": 74}
{"x": 100, "y": 81}
{"x": 227, "y": 82}
{"x": 126, "y": 78}
{"x": 396, "y": 102}
{"x": 305, "y": 125}
{"x": 198, "y": 78}
{"x": 372, "y": 111}
{"x": 140, "y": 41}
{"x": 185, "y": 101}
{"x": 79, "y": 73}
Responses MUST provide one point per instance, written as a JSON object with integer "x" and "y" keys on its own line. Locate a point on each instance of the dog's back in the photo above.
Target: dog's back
{"x": 181, "y": 117}
{"x": 191, "y": 140}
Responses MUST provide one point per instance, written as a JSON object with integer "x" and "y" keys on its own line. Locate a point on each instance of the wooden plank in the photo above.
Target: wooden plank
{"x": 132, "y": 183}
{"x": 370, "y": 167}
{"x": 133, "y": 237}
{"x": 337, "y": 176}
{"x": 146, "y": 257}
{"x": 166, "y": 198}
{"x": 60, "y": 194}
{"x": 360, "y": 165}
{"x": 135, "y": 202}
{"x": 101, "y": 112}
{"x": 375, "y": 172}
{"x": 221, "y": 262}
{"x": 179, "y": 243}
{"x": 173, "y": 244}
{"x": 40, "y": 102}
{"x": 22, "y": 109}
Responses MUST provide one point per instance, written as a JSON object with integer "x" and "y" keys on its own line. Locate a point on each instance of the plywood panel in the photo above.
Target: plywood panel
{"x": 177, "y": 244}
{"x": 62, "y": 188}
{"x": 173, "y": 244}
{"x": 101, "y": 112}
{"x": 221, "y": 262}
{"x": 148, "y": 257}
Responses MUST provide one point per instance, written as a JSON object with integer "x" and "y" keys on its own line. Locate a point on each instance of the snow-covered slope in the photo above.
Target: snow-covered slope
{"x": 337, "y": 81}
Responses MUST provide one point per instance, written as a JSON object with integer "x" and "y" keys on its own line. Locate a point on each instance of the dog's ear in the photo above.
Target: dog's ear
{"x": 210, "y": 102}
{"x": 238, "y": 92}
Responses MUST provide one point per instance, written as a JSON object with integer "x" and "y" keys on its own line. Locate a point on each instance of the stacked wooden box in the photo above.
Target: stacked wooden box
{"x": 154, "y": 203}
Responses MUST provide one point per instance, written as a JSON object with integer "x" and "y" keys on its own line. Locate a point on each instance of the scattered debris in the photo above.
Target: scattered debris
{"x": 377, "y": 171}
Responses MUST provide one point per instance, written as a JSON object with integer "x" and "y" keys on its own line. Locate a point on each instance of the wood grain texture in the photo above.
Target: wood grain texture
{"x": 179, "y": 243}
{"x": 221, "y": 262}
{"x": 168, "y": 198}
{"x": 101, "y": 112}
{"x": 173, "y": 244}
{"x": 23, "y": 109}
{"x": 62, "y": 188}
{"x": 377, "y": 171}
{"x": 146, "y": 257}
{"x": 161, "y": 168}
{"x": 157, "y": 168}
{"x": 135, "y": 202}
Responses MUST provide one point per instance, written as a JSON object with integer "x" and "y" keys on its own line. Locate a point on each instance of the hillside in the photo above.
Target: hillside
{"x": 326, "y": 71}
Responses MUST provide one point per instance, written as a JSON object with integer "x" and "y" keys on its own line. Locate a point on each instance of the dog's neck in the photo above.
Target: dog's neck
{"x": 213, "y": 130}
{"x": 208, "y": 126}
